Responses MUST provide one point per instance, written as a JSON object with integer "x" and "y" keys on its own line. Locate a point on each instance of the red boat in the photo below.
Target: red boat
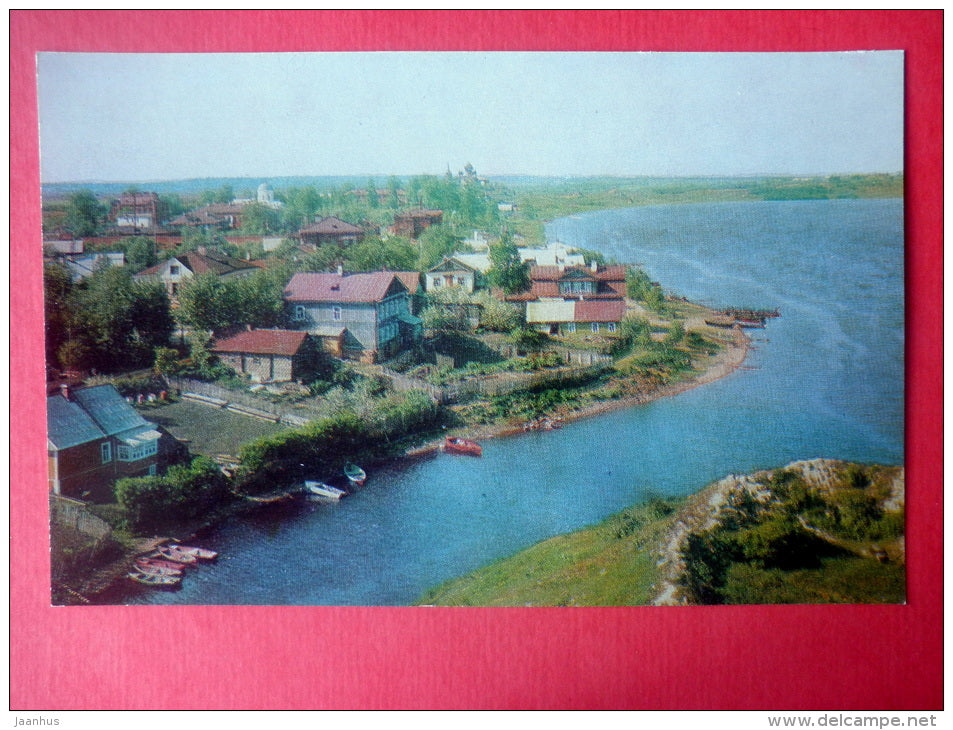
{"x": 176, "y": 556}
{"x": 155, "y": 563}
{"x": 457, "y": 445}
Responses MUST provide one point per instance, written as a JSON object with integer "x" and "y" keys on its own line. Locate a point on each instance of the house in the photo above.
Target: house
{"x": 331, "y": 230}
{"x": 561, "y": 300}
{"x": 555, "y": 254}
{"x": 136, "y": 212}
{"x": 413, "y": 282}
{"x": 216, "y": 216}
{"x": 179, "y": 269}
{"x": 269, "y": 355}
{"x": 414, "y": 222}
{"x": 95, "y": 437}
{"x": 452, "y": 273}
{"x": 86, "y": 264}
{"x": 372, "y": 311}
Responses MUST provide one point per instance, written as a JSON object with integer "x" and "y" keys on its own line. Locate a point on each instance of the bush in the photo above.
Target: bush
{"x": 184, "y": 492}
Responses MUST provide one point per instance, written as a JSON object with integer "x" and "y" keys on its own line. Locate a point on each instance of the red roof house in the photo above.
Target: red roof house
{"x": 268, "y": 355}
{"x": 331, "y": 230}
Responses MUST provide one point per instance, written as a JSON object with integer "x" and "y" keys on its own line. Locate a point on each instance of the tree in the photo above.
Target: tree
{"x": 258, "y": 219}
{"x": 57, "y": 285}
{"x": 116, "y": 321}
{"x": 393, "y": 192}
{"x": 508, "y": 272}
{"x": 84, "y": 213}
{"x": 372, "y": 200}
{"x": 140, "y": 253}
{"x": 372, "y": 254}
{"x": 435, "y": 243}
{"x": 207, "y": 302}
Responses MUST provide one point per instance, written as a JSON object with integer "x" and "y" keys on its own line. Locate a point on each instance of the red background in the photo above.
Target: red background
{"x": 774, "y": 657}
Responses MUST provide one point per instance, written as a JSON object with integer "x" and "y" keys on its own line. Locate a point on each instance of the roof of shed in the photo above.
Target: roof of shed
{"x": 264, "y": 342}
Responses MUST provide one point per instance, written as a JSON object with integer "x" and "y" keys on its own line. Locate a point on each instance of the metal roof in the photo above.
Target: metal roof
{"x": 90, "y": 414}
{"x": 326, "y": 287}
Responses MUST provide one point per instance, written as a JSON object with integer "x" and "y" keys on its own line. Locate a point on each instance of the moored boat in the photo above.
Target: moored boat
{"x": 325, "y": 491}
{"x": 197, "y": 552}
{"x": 159, "y": 563}
{"x": 168, "y": 553}
{"x": 150, "y": 569}
{"x": 155, "y": 580}
{"x": 355, "y": 474}
{"x": 458, "y": 445}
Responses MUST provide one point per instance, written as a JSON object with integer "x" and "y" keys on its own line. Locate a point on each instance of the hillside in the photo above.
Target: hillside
{"x": 818, "y": 531}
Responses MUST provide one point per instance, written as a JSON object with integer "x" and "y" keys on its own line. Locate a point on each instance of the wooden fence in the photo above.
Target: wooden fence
{"x": 72, "y": 512}
{"x": 294, "y": 414}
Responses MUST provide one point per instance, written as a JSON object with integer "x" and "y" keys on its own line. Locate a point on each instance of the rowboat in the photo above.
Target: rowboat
{"x": 355, "y": 473}
{"x": 155, "y": 580}
{"x": 197, "y": 552}
{"x": 176, "y": 556}
{"x": 149, "y": 569}
{"x": 159, "y": 563}
{"x": 457, "y": 445}
{"x": 325, "y": 491}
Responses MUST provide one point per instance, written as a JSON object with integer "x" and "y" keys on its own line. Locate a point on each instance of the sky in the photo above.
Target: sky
{"x": 141, "y": 117}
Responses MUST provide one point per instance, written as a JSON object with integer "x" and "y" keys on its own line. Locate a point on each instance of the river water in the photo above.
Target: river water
{"x": 823, "y": 380}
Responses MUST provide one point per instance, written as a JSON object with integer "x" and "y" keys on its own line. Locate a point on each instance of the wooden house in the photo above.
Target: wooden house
{"x": 452, "y": 273}
{"x": 95, "y": 437}
{"x": 372, "y": 308}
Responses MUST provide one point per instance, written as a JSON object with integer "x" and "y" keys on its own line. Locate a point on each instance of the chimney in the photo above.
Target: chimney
{"x": 340, "y": 270}
{"x": 66, "y": 392}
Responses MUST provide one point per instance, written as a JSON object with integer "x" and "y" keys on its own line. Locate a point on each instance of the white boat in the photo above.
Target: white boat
{"x": 195, "y": 552}
{"x": 325, "y": 491}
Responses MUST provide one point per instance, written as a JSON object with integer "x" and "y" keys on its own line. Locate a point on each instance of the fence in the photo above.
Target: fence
{"x": 493, "y": 385}
{"x": 293, "y": 414}
{"x": 569, "y": 356}
{"x": 73, "y": 513}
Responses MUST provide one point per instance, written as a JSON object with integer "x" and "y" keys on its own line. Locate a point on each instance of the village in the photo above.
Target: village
{"x": 206, "y": 357}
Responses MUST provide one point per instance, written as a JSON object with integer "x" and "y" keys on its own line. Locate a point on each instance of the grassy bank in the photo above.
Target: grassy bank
{"x": 814, "y": 532}
{"x": 609, "y": 564}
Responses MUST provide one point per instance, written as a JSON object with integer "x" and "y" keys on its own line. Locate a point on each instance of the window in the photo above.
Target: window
{"x": 595, "y": 326}
{"x": 300, "y": 312}
{"x": 152, "y": 470}
{"x": 436, "y": 282}
{"x": 106, "y": 452}
{"x": 460, "y": 281}
{"x": 571, "y": 327}
{"x": 175, "y": 288}
{"x": 611, "y": 326}
{"x": 173, "y": 270}
{"x": 336, "y": 314}
{"x": 125, "y": 452}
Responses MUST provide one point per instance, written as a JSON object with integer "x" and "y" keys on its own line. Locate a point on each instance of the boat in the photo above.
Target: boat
{"x": 159, "y": 563}
{"x": 197, "y": 552}
{"x": 457, "y": 445}
{"x": 721, "y": 321}
{"x": 325, "y": 491}
{"x": 176, "y": 556}
{"x": 155, "y": 580}
{"x": 150, "y": 569}
{"x": 355, "y": 474}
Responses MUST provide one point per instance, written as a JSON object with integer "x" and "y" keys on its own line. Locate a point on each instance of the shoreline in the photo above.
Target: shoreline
{"x": 721, "y": 364}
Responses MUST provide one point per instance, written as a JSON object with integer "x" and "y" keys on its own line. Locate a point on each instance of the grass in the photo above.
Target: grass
{"x": 608, "y": 564}
{"x": 210, "y": 430}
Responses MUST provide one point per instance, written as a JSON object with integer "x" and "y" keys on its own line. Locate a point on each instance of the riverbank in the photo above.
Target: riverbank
{"x": 818, "y": 531}
{"x": 729, "y": 358}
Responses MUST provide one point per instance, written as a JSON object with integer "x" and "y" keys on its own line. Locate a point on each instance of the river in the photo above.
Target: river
{"x": 823, "y": 380}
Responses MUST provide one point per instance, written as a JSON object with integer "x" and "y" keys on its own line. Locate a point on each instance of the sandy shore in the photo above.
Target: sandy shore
{"x": 721, "y": 364}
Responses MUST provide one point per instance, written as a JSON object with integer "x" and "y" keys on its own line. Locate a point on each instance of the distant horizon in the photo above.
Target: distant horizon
{"x": 382, "y": 177}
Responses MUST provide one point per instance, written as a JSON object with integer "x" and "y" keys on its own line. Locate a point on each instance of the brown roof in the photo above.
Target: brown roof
{"x": 604, "y": 310}
{"x": 615, "y": 272}
{"x": 327, "y": 287}
{"x": 410, "y": 279}
{"x": 264, "y": 342}
{"x": 419, "y": 213}
{"x": 198, "y": 263}
{"x": 331, "y": 225}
